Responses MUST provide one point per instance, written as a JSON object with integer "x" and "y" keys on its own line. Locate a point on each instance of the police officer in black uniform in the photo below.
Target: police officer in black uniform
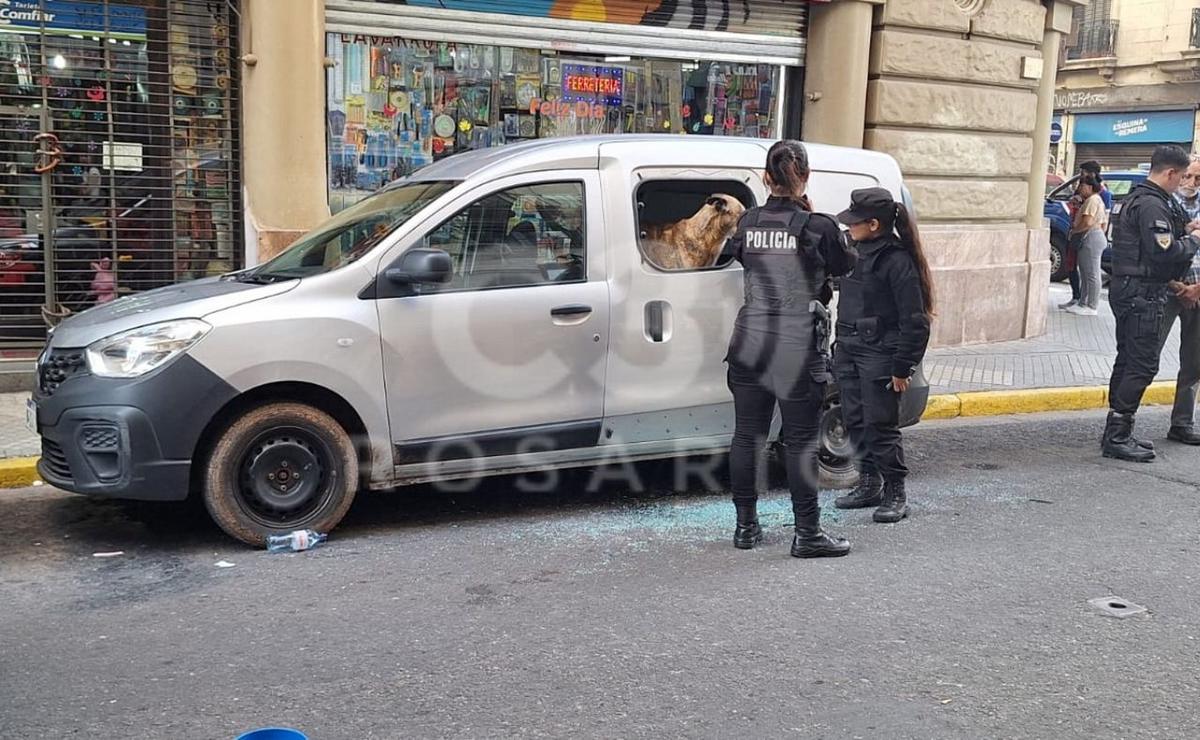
{"x": 1151, "y": 247}
{"x": 882, "y": 333}
{"x": 779, "y": 351}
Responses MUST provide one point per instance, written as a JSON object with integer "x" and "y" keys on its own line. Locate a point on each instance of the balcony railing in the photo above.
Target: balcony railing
{"x": 1195, "y": 35}
{"x": 1098, "y": 39}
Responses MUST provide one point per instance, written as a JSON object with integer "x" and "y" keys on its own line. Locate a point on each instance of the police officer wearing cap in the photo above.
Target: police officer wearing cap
{"x": 1151, "y": 248}
{"x": 778, "y": 353}
{"x": 882, "y": 332}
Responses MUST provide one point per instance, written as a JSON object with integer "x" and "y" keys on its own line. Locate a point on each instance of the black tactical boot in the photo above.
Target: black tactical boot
{"x": 895, "y": 503}
{"x": 1145, "y": 444}
{"x": 1185, "y": 435}
{"x": 748, "y": 533}
{"x": 811, "y": 542}
{"x": 1119, "y": 442}
{"x": 867, "y": 494}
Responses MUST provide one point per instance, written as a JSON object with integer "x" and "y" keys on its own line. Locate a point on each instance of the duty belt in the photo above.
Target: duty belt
{"x": 1138, "y": 271}
{"x": 853, "y": 330}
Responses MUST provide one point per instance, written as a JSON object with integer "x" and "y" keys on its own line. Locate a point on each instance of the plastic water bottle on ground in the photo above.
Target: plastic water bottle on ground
{"x": 298, "y": 541}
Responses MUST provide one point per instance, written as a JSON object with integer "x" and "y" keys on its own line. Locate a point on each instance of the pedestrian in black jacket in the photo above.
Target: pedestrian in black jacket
{"x": 884, "y": 309}
{"x": 778, "y": 353}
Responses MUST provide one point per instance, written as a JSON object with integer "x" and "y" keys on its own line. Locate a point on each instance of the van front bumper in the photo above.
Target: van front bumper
{"x": 111, "y": 452}
{"x": 127, "y": 438}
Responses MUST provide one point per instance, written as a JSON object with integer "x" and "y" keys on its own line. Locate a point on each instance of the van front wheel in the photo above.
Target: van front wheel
{"x": 280, "y": 467}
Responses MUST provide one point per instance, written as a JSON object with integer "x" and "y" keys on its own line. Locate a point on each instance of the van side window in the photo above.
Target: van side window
{"x": 683, "y": 224}
{"x": 523, "y": 236}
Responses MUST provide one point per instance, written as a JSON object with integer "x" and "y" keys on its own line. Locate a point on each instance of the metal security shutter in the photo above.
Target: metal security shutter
{"x": 1116, "y": 156}
{"x": 119, "y": 146}
{"x": 761, "y": 31}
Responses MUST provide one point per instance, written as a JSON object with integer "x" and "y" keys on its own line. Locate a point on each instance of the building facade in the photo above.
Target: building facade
{"x": 956, "y": 91}
{"x": 1128, "y": 80}
{"x": 259, "y": 118}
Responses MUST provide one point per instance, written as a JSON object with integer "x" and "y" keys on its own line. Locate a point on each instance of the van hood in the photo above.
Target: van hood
{"x": 192, "y": 300}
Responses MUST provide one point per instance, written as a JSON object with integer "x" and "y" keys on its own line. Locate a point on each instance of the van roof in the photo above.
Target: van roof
{"x": 583, "y": 152}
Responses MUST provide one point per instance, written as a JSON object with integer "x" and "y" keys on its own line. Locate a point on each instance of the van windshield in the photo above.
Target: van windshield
{"x": 350, "y": 234}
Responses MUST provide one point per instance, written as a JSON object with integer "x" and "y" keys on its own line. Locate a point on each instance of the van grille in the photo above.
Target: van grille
{"x": 57, "y": 366}
{"x": 99, "y": 438}
{"x": 55, "y": 460}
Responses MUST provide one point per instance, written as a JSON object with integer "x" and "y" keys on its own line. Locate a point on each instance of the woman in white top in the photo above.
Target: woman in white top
{"x": 1090, "y": 221}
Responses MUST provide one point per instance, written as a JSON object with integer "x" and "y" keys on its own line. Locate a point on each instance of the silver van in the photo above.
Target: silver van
{"x": 494, "y": 313}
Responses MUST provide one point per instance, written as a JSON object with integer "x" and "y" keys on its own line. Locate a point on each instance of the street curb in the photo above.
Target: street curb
{"x": 1034, "y": 400}
{"x": 18, "y": 472}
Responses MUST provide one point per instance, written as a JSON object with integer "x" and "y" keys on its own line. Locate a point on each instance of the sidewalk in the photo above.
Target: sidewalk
{"x": 1075, "y": 351}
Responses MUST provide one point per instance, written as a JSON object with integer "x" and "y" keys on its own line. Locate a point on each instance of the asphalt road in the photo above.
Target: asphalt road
{"x": 610, "y": 613}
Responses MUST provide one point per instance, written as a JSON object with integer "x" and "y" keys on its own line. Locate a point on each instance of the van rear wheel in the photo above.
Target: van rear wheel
{"x": 280, "y": 467}
{"x": 835, "y": 466}
{"x": 834, "y": 450}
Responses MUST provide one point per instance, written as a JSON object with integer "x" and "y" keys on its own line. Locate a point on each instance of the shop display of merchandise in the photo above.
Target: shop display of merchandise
{"x": 395, "y": 105}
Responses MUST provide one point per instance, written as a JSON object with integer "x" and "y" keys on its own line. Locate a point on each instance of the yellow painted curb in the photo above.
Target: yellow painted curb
{"x": 18, "y": 472}
{"x": 1034, "y": 400}
{"x": 946, "y": 406}
{"x": 1160, "y": 393}
{"x": 1028, "y": 401}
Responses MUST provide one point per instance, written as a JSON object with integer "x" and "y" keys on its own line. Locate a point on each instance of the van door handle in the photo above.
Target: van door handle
{"x": 571, "y": 309}
{"x": 657, "y": 317}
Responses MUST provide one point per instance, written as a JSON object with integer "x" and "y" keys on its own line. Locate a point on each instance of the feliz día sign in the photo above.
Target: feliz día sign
{"x": 563, "y": 109}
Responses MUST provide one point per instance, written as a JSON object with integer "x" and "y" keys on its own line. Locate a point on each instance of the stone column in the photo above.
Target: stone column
{"x": 949, "y": 100}
{"x": 835, "y": 73}
{"x": 1058, "y": 23}
{"x": 283, "y": 122}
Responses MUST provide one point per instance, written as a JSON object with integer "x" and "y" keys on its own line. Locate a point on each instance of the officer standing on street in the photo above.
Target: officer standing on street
{"x": 778, "y": 353}
{"x": 1151, "y": 248}
{"x": 883, "y": 330}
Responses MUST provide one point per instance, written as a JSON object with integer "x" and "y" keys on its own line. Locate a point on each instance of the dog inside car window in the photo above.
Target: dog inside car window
{"x": 693, "y": 242}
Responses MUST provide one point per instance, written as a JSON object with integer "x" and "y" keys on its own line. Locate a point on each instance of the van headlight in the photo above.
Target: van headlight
{"x": 138, "y": 351}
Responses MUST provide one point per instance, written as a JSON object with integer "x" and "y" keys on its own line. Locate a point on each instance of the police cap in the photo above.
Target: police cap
{"x": 869, "y": 203}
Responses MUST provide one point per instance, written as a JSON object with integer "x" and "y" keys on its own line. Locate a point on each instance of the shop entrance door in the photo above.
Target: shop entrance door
{"x": 118, "y": 154}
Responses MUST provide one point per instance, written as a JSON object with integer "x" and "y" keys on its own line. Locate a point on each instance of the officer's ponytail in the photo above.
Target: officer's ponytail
{"x": 788, "y": 170}
{"x": 910, "y": 237}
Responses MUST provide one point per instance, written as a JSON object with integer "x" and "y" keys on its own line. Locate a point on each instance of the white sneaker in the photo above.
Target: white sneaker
{"x": 1083, "y": 311}
{"x": 1068, "y": 304}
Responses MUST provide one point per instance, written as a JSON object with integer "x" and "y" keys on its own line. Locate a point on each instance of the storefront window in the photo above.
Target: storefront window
{"x": 395, "y": 105}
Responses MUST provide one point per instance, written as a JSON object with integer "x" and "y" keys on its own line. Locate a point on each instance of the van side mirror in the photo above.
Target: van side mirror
{"x": 421, "y": 265}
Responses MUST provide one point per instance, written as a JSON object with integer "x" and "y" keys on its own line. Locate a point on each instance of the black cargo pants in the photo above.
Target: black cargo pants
{"x": 1139, "y": 306}
{"x": 870, "y": 408}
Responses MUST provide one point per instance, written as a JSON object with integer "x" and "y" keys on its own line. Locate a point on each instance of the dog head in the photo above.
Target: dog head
{"x": 721, "y": 213}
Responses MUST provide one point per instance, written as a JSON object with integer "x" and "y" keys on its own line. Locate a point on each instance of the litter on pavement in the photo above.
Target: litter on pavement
{"x": 115, "y": 553}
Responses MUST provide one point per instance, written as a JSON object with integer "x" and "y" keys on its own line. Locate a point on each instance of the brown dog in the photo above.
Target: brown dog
{"x": 693, "y": 242}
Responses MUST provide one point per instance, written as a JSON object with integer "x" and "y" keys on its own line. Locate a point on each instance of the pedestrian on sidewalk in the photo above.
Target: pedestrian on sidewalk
{"x": 1188, "y": 193}
{"x": 882, "y": 333}
{"x": 777, "y": 353}
{"x": 1088, "y": 228}
{"x": 1184, "y": 305}
{"x": 1151, "y": 248}
{"x": 1090, "y": 167}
